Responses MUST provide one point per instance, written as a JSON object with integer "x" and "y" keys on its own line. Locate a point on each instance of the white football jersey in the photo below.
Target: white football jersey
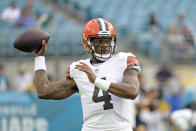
{"x": 103, "y": 110}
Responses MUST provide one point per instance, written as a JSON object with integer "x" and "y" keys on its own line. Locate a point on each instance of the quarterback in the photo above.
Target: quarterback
{"x": 107, "y": 82}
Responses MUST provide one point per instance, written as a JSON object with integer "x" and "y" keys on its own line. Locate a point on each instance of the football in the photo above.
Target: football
{"x": 31, "y": 40}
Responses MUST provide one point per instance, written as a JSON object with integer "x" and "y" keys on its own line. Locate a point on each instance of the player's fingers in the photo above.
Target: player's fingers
{"x": 78, "y": 66}
{"x": 44, "y": 44}
{"x": 82, "y": 63}
{"x": 43, "y": 41}
{"x": 81, "y": 68}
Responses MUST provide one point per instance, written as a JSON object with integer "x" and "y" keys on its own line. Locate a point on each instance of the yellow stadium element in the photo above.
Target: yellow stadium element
{"x": 163, "y": 106}
{"x": 189, "y": 81}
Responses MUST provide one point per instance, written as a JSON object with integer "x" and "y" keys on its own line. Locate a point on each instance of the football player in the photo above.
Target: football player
{"x": 107, "y": 83}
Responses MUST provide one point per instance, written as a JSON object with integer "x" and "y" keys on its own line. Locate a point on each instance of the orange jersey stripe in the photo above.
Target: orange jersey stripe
{"x": 133, "y": 63}
{"x": 132, "y": 58}
{"x": 68, "y": 72}
{"x": 67, "y": 75}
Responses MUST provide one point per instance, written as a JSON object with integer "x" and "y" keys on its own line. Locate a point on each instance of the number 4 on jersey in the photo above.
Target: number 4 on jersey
{"x": 106, "y": 98}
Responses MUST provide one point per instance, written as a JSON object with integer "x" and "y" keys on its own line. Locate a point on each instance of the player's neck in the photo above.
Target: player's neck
{"x": 95, "y": 60}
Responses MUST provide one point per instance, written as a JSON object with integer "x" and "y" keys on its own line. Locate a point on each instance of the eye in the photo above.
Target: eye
{"x": 107, "y": 41}
{"x": 97, "y": 42}
{"x": 100, "y": 41}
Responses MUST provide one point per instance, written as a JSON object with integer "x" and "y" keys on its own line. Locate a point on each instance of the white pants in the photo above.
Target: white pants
{"x": 93, "y": 129}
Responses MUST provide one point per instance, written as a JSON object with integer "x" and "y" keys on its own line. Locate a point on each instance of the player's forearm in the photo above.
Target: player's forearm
{"x": 55, "y": 90}
{"x": 41, "y": 83}
{"x": 124, "y": 90}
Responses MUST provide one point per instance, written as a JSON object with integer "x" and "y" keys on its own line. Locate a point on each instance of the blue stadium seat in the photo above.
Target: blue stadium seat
{"x": 127, "y": 16}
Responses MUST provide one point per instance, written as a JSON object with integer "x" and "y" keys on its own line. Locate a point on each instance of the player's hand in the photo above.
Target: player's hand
{"x": 42, "y": 51}
{"x": 85, "y": 68}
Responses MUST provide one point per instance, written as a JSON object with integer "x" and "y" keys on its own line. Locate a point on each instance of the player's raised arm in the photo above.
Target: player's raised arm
{"x": 46, "y": 90}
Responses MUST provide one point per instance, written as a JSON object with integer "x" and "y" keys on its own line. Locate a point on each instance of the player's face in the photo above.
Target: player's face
{"x": 102, "y": 45}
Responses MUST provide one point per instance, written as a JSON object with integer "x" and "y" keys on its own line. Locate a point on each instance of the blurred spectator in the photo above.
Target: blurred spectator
{"x": 4, "y": 82}
{"x": 189, "y": 40}
{"x": 43, "y": 20}
{"x": 162, "y": 76}
{"x": 174, "y": 96}
{"x": 141, "y": 127}
{"x": 144, "y": 103}
{"x": 22, "y": 80}
{"x": 11, "y": 13}
{"x": 149, "y": 41}
{"x": 182, "y": 44}
{"x": 26, "y": 20}
{"x": 180, "y": 120}
{"x": 184, "y": 119}
{"x": 164, "y": 73}
{"x": 152, "y": 23}
{"x": 149, "y": 96}
{"x": 151, "y": 116}
{"x": 31, "y": 87}
{"x": 181, "y": 22}
{"x": 175, "y": 39}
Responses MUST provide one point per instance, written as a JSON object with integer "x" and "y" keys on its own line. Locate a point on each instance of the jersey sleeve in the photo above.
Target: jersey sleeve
{"x": 68, "y": 73}
{"x": 68, "y": 76}
{"x": 130, "y": 61}
{"x": 72, "y": 72}
{"x": 133, "y": 63}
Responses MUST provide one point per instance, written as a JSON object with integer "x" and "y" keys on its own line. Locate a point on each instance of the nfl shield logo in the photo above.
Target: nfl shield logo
{"x": 96, "y": 70}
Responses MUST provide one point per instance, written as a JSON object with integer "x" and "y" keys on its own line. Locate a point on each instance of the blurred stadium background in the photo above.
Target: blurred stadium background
{"x": 161, "y": 33}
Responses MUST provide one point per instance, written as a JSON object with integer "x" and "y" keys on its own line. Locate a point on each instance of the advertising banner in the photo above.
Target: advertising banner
{"x": 26, "y": 112}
